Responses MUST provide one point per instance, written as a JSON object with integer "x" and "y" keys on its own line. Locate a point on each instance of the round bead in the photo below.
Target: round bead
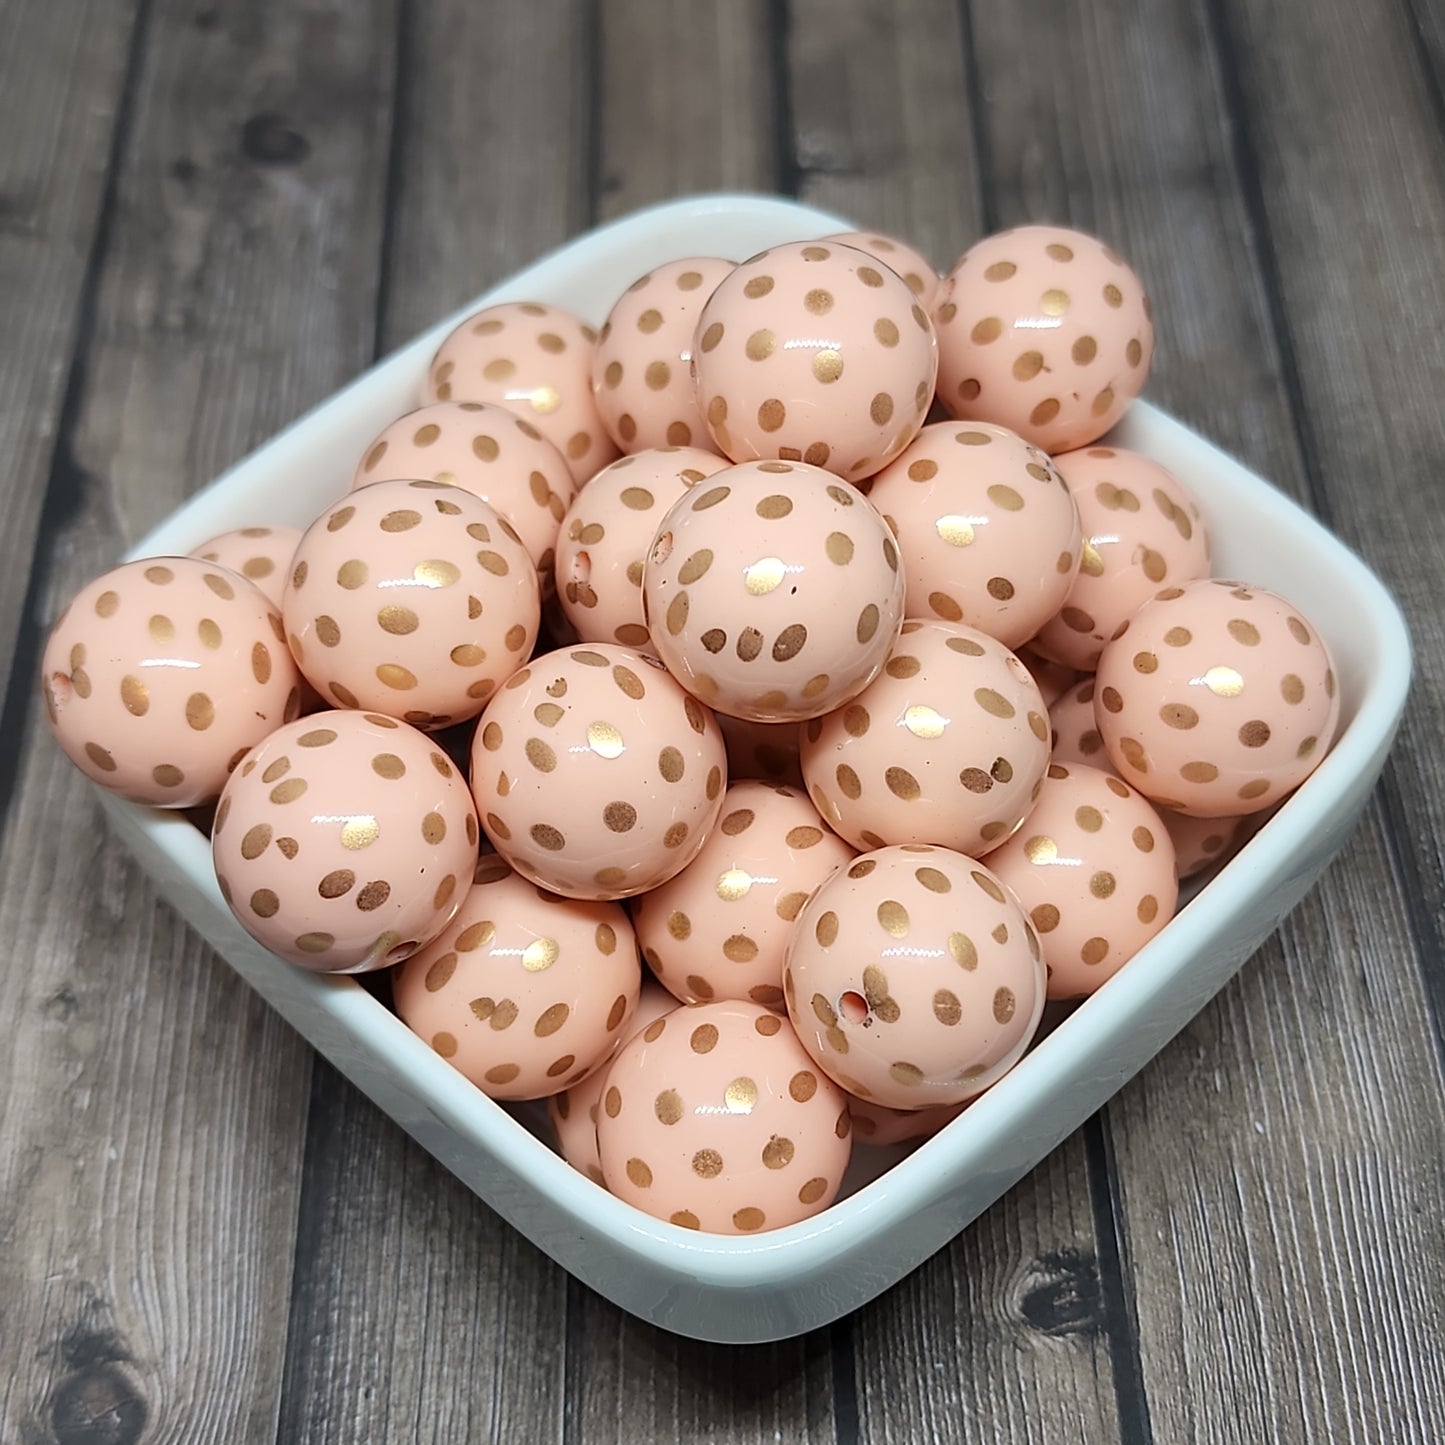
{"x": 524, "y": 993}
{"x": 720, "y": 928}
{"x": 488, "y": 451}
{"x": 345, "y": 841}
{"x": 161, "y": 674}
{"x": 715, "y": 1118}
{"x": 607, "y": 533}
{"x": 595, "y": 774}
{"x": 1218, "y": 699}
{"x": 642, "y": 370}
{"x": 1094, "y": 868}
{"x": 913, "y": 978}
{"x": 536, "y": 361}
{"x": 414, "y": 598}
{"x": 573, "y": 1112}
{"x": 773, "y": 591}
{"x": 1142, "y": 531}
{"x": 262, "y": 555}
{"x": 813, "y": 352}
{"x": 1199, "y": 843}
{"x": 909, "y": 262}
{"x": 1045, "y": 331}
{"x": 948, "y": 746}
{"x": 988, "y": 531}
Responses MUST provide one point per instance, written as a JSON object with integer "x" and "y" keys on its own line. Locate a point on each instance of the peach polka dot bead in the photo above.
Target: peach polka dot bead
{"x": 1199, "y": 843}
{"x": 913, "y": 978}
{"x": 159, "y": 676}
{"x": 642, "y": 368}
{"x": 948, "y": 746}
{"x": 524, "y": 993}
{"x": 1046, "y": 331}
{"x": 488, "y": 451}
{"x": 909, "y": 262}
{"x": 768, "y": 751}
{"x": 1219, "y": 699}
{"x": 345, "y": 841}
{"x": 880, "y": 1127}
{"x": 773, "y": 591}
{"x": 534, "y": 360}
{"x": 720, "y": 928}
{"x": 988, "y": 531}
{"x": 812, "y": 352}
{"x": 262, "y": 555}
{"x": 714, "y": 1118}
{"x": 1142, "y": 531}
{"x": 595, "y": 774}
{"x": 607, "y": 533}
{"x": 416, "y": 599}
{"x": 1094, "y": 868}
{"x": 573, "y": 1112}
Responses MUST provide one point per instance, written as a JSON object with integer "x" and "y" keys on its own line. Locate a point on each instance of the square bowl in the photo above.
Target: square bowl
{"x": 890, "y": 1219}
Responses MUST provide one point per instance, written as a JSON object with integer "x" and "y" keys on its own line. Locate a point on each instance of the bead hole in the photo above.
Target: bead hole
{"x": 853, "y": 1007}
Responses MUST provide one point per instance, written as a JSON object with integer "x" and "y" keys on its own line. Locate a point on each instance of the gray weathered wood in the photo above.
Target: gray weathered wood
{"x": 417, "y": 1313}
{"x": 62, "y": 79}
{"x": 150, "y": 1105}
{"x": 1221, "y": 1250}
{"x": 884, "y": 134}
{"x": 685, "y": 101}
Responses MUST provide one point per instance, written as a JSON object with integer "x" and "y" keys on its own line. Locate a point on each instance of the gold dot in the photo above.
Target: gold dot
{"x": 740, "y": 1096}
{"x": 668, "y": 1106}
{"x": 544, "y": 835}
{"x": 707, "y": 1163}
{"x": 397, "y": 620}
{"x": 760, "y": 345}
{"x": 703, "y": 1039}
{"x": 1224, "y": 682}
{"x": 893, "y": 918}
{"x": 393, "y": 675}
{"x": 1045, "y": 411}
{"x": 619, "y": 817}
{"x": 1255, "y": 733}
{"x": 1199, "y": 772}
{"x": 771, "y": 415}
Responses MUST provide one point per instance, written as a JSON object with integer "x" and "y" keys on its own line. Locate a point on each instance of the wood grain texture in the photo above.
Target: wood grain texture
{"x": 63, "y": 75}
{"x": 881, "y": 125}
{"x": 417, "y": 1314}
{"x": 1220, "y": 1249}
{"x": 204, "y": 1235}
{"x": 151, "y": 1124}
{"x": 884, "y": 133}
{"x": 685, "y": 101}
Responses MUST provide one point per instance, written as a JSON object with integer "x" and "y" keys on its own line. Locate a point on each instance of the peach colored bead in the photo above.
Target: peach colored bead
{"x": 159, "y": 676}
{"x": 1199, "y": 843}
{"x": 715, "y": 1118}
{"x": 914, "y": 978}
{"x": 1142, "y": 531}
{"x": 262, "y": 555}
{"x": 767, "y": 751}
{"x": 988, "y": 531}
{"x": 773, "y": 591}
{"x": 416, "y": 599}
{"x": 948, "y": 746}
{"x": 873, "y": 1124}
{"x": 344, "y": 842}
{"x": 909, "y": 262}
{"x": 812, "y": 352}
{"x": 607, "y": 533}
{"x": 536, "y": 361}
{"x": 642, "y": 370}
{"x": 524, "y": 993}
{"x": 573, "y": 1112}
{"x": 1043, "y": 330}
{"x": 595, "y": 774}
{"x": 720, "y": 928}
{"x": 1094, "y": 868}
{"x": 1219, "y": 699}
{"x": 488, "y": 451}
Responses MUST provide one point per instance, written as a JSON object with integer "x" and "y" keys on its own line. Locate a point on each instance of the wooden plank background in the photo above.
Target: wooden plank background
{"x": 212, "y": 214}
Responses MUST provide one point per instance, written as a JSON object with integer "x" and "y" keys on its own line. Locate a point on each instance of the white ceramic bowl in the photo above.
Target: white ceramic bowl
{"x": 778, "y": 1284}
